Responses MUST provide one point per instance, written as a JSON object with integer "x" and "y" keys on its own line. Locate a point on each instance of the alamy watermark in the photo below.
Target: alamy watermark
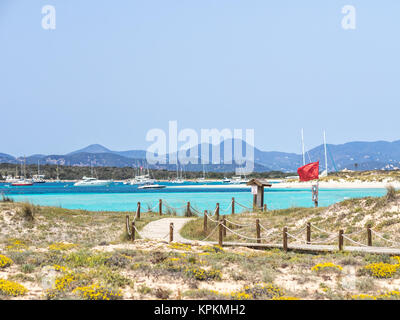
{"x": 349, "y": 20}
{"x": 163, "y": 150}
{"x": 49, "y": 17}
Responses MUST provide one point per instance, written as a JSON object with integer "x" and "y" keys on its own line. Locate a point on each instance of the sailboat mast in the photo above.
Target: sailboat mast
{"x": 302, "y": 146}
{"x": 326, "y": 158}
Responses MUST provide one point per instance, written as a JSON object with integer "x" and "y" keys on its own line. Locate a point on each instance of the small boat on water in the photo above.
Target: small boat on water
{"x": 152, "y": 186}
{"x": 238, "y": 180}
{"x": 92, "y": 182}
{"x": 226, "y": 180}
{"x": 22, "y": 183}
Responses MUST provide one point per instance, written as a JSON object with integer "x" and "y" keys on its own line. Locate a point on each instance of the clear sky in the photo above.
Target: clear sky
{"x": 112, "y": 70}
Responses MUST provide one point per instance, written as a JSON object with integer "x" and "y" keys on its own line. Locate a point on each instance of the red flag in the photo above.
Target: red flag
{"x": 309, "y": 171}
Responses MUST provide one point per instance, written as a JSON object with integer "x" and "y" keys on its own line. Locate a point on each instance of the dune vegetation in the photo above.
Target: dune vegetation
{"x": 55, "y": 253}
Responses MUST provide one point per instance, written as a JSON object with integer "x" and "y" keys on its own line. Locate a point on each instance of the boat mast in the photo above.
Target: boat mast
{"x": 326, "y": 158}
{"x": 302, "y": 146}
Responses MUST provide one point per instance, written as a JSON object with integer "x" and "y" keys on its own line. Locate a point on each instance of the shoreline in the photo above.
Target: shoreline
{"x": 298, "y": 185}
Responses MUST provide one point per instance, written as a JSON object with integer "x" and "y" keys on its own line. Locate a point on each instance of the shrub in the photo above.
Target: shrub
{"x": 162, "y": 293}
{"x": 5, "y": 198}
{"x": 11, "y": 288}
{"x": 97, "y": 292}
{"x": 28, "y": 211}
{"x": 5, "y": 261}
{"x": 390, "y": 193}
{"x": 202, "y": 274}
{"x": 268, "y": 290}
{"x": 327, "y": 266}
{"x": 381, "y": 269}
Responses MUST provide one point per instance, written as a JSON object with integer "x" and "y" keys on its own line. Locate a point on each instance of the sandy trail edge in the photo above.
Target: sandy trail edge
{"x": 159, "y": 229}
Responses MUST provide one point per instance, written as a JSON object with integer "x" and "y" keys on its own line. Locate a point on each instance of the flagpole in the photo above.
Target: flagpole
{"x": 302, "y": 146}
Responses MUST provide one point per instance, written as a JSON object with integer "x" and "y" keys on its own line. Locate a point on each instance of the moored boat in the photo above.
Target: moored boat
{"x": 92, "y": 182}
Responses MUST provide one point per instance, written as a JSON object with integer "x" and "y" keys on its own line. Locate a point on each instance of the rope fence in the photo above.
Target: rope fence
{"x": 258, "y": 233}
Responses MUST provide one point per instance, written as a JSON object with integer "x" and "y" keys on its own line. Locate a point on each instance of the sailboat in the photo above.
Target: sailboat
{"x": 178, "y": 179}
{"x": 142, "y": 179}
{"x": 203, "y": 178}
{"x": 38, "y": 178}
{"x": 23, "y": 182}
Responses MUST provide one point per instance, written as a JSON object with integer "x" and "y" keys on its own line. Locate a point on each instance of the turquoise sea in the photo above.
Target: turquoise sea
{"x": 119, "y": 197}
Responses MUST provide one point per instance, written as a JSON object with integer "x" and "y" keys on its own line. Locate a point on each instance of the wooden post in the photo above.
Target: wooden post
{"x": 254, "y": 201}
{"x": 340, "y": 239}
{"x": 308, "y": 232}
{"x": 171, "y": 232}
{"x": 138, "y": 211}
{"x": 160, "y": 207}
{"x": 205, "y": 222}
{"x": 233, "y": 205}
{"x": 285, "y": 244}
{"x": 127, "y": 225}
{"x": 133, "y": 230}
{"x": 258, "y": 231}
{"x": 221, "y": 233}
{"x": 224, "y": 223}
{"x": 188, "y": 213}
{"x": 265, "y": 207}
{"x": 369, "y": 233}
{"x": 217, "y": 212}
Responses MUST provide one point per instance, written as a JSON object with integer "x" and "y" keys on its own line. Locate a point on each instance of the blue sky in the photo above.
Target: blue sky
{"x": 112, "y": 70}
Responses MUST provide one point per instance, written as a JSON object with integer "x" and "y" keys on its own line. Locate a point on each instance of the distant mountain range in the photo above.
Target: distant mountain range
{"x": 379, "y": 155}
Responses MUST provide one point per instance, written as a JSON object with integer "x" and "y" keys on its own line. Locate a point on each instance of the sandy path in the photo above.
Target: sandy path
{"x": 159, "y": 229}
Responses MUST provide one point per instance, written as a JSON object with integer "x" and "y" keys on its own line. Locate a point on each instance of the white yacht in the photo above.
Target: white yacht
{"x": 151, "y": 186}
{"x": 92, "y": 182}
{"x": 140, "y": 180}
{"x": 238, "y": 180}
{"x": 38, "y": 178}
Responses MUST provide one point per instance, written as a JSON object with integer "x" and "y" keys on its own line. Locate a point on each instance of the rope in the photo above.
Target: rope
{"x": 140, "y": 235}
{"x": 238, "y": 224}
{"x": 211, "y": 233}
{"x": 241, "y": 235}
{"x": 294, "y": 237}
{"x": 381, "y": 237}
{"x": 226, "y": 209}
{"x": 324, "y": 241}
{"x": 321, "y": 230}
{"x": 262, "y": 227}
{"x": 300, "y": 231}
{"x": 216, "y": 221}
{"x": 351, "y": 240}
{"x": 354, "y": 233}
{"x": 242, "y": 205}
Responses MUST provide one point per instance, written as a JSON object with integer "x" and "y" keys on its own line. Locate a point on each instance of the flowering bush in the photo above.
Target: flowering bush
{"x": 96, "y": 292}
{"x": 264, "y": 290}
{"x": 381, "y": 269}
{"x": 60, "y": 246}
{"x": 11, "y": 288}
{"x": 202, "y": 274}
{"x": 5, "y": 261}
{"x": 388, "y": 295}
{"x": 16, "y": 245}
{"x": 327, "y": 266}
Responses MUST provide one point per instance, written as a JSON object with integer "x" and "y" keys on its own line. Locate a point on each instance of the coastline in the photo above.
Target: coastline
{"x": 300, "y": 185}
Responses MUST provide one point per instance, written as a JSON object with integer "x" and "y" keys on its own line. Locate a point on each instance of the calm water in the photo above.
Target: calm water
{"x": 119, "y": 197}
